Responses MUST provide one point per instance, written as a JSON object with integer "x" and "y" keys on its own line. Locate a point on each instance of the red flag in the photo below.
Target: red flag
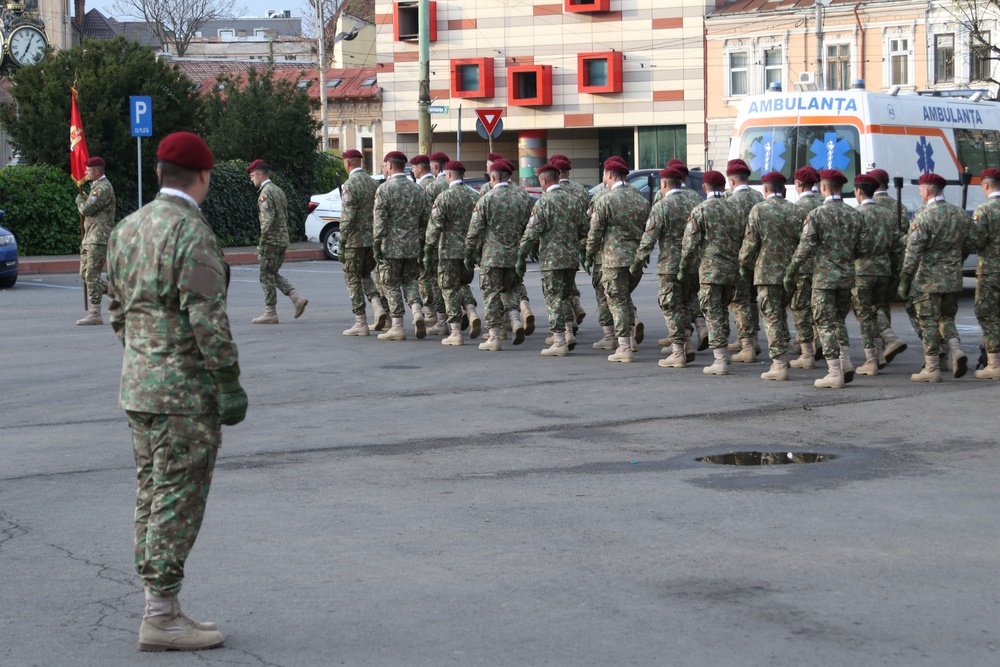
{"x": 78, "y": 154}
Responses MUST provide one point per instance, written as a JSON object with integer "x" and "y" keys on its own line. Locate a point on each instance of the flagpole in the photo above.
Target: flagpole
{"x": 78, "y": 155}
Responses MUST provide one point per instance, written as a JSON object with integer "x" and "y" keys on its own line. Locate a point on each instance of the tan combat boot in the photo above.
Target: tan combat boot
{"x": 516, "y": 329}
{"x": 381, "y": 317}
{"x": 176, "y": 610}
{"x": 992, "y": 370}
{"x": 456, "y": 335}
{"x": 735, "y": 346}
{"x": 492, "y": 342}
{"x": 529, "y": 319}
{"x": 721, "y": 364}
{"x": 419, "y": 327}
{"x": 430, "y": 317}
{"x": 633, "y": 343}
{"x": 395, "y": 332}
{"x": 778, "y": 370}
{"x": 570, "y": 339}
{"x": 846, "y": 367}
{"x": 756, "y": 342}
{"x": 870, "y": 367}
{"x": 551, "y": 338}
{"x": 959, "y": 362}
{"x": 893, "y": 345}
{"x": 360, "y": 327}
{"x": 794, "y": 340}
{"x": 269, "y": 316}
{"x": 689, "y": 351}
{"x": 807, "y": 358}
{"x": 166, "y": 628}
{"x": 475, "y": 324}
{"x": 835, "y": 376}
{"x": 299, "y": 302}
{"x": 440, "y": 327}
{"x": 677, "y": 358}
{"x": 578, "y": 310}
{"x": 608, "y": 342}
{"x": 559, "y": 347}
{"x": 664, "y": 343}
{"x": 880, "y": 359}
{"x": 931, "y": 372}
{"x": 623, "y": 353}
{"x": 702, "y": 328}
{"x": 746, "y": 355}
{"x": 92, "y": 317}
{"x": 638, "y": 330}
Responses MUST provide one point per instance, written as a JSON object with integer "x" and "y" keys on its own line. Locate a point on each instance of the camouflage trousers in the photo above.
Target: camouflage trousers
{"x": 883, "y": 317}
{"x": 271, "y": 259}
{"x": 575, "y": 291}
{"x": 399, "y": 283}
{"x": 358, "y": 264}
{"x": 869, "y": 292}
{"x": 744, "y": 307}
{"x": 988, "y": 311}
{"x": 801, "y": 307}
{"x": 498, "y": 285}
{"x": 557, "y": 289}
{"x": 935, "y": 314}
{"x": 949, "y": 309}
{"x": 773, "y": 311}
{"x": 92, "y": 258}
{"x": 174, "y": 460}
{"x": 454, "y": 280}
{"x": 520, "y": 291}
{"x": 715, "y": 300}
{"x": 830, "y": 308}
{"x": 618, "y": 285}
{"x": 430, "y": 288}
{"x": 674, "y": 298}
{"x": 604, "y": 317}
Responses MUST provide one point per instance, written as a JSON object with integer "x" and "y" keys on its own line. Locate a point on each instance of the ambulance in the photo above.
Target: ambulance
{"x": 856, "y": 131}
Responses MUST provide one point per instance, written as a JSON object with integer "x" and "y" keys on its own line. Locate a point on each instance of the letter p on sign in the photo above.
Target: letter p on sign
{"x": 142, "y": 115}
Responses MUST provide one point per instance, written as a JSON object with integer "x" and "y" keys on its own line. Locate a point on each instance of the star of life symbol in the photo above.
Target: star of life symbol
{"x": 925, "y": 154}
{"x": 767, "y": 154}
{"x": 831, "y": 153}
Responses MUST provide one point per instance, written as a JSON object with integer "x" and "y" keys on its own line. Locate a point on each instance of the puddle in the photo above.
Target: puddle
{"x": 766, "y": 458}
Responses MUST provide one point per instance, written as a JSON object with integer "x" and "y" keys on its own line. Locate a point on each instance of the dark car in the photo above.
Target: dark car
{"x": 8, "y": 257}
{"x": 640, "y": 179}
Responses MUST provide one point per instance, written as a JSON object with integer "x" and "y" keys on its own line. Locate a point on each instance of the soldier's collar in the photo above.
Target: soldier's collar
{"x": 264, "y": 183}
{"x": 554, "y": 186}
{"x": 834, "y": 198}
{"x": 741, "y": 187}
{"x": 670, "y": 192}
{"x": 993, "y": 194}
{"x": 402, "y": 173}
{"x": 718, "y": 194}
{"x": 427, "y": 175}
{"x": 938, "y": 198}
{"x": 868, "y": 201}
{"x": 457, "y": 181}
{"x": 356, "y": 169}
{"x": 775, "y": 194}
{"x": 617, "y": 183}
{"x": 180, "y": 194}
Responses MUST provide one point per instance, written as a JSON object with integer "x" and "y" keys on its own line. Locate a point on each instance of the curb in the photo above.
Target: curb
{"x": 234, "y": 258}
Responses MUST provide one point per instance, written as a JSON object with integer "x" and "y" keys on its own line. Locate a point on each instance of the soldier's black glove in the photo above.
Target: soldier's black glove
{"x": 583, "y": 257}
{"x": 232, "y": 399}
{"x": 588, "y": 263}
{"x": 791, "y": 275}
{"x": 377, "y": 251}
{"x": 746, "y": 273}
{"x": 521, "y": 266}
{"x": 905, "y": 280}
{"x": 428, "y": 257}
{"x": 470, "y": 261}
{"x": 637, "y": 265}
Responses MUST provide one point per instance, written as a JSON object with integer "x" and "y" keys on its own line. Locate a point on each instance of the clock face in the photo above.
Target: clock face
{"x": 26, "y": 46}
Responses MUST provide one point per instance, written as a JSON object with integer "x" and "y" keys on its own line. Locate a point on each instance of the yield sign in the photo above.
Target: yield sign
{"x": 489, "y": 118}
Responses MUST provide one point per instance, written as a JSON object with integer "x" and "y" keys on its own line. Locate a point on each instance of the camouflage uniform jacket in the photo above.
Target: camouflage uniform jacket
{"x": 485, "y": 187}
{"x": 402, "y": 209}
{"x": 745, "y": 198}
{"x": 714, "y": 232}
{"x": 665, "y": 227}
{"x": 357, "y": 215}
{"x": 557, "y": 223}
{"x": 578, "y": 190}
{"x": 98, "y": 211}
{"x": 835, "y": 235}
{"x": 808, "y": 201}
{"x": 167, "y": 302}
{"x": 940, "y": 237}
{"x": 497, "y": 225}
{"x": 449, "y": 224}
{"x": 880, "y": 225}
{"x": 987, "y": 221}
{"x": 887, "y": 201}
{"x": 771, "y": 238}
{"x": 685, "y": 191}
{"x": 432, "y": 186}
{"x": 273, "y": 207}
{"x": 617, "y": 222}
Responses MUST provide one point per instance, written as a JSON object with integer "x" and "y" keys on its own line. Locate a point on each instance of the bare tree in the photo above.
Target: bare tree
{"x": 332, "y": 9}
{"x": 978, "y": 17}
{"x": 176, "y": 22}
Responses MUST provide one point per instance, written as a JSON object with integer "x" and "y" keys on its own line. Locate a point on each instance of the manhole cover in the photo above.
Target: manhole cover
{"x": 766, "y": 458}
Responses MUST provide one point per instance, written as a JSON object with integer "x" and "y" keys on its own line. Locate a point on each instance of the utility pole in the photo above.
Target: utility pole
{"x": 424, "y": 99}
{"x": 322, "y": 72}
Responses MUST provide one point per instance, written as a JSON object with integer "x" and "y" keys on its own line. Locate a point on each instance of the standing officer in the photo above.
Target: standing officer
{"x": 273, "y": 207}
{"x": 445, "y": 247}
{"x": 987, "y": 221}
{"x": 402, "y": 209}
{"x": 357, "y": 219}
{"x": 712, "y": 240}
{"x": 98, "y": 211}
{"x": 495, "y": 231}
{"x": 555, "y": 228}
{"x": 893, "y": 344}
{"x": 616, "y": 226}
{"x": 834, "y": 233}
{"x": 872, "y": 270}
{"x": 940, "y": 236}
{"x": 806, "y": 184}
{"x": 180, "y": 378}
{"x": 771, "y": 238}
{"x": 744, "y": 303}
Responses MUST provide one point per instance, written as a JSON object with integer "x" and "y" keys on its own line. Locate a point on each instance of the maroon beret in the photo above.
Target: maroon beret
{"x": 866, "y": 179}
{"x": 95, "y": 162}
{"x": 616, "y": 165}
{"x": 352, "y": 153}
{"x": 255, "y": 165}
{"x": 439, "y": 157}
{"x": 714, "y": 178}
{"x": 454, "y": 165}
{"x": 992, "y": 172}
{"x": 672, "y": 172}
{"x": 559, "y": 157}
{"x": 679, "y": 165}
{"x": 395, "y": 155}
{"x": 807, "y": 175}
{"x": 420, "y": 159}
{"x": 493, "y": 157}
{"x": 880, "y": 175}
{"x": 833, "y": 175}
{"x": 503, "y": 164}
{"x": 548, "y": 166}
{"x": 932, "y": 179}
{"x": 185, "y": 149}
{"x": 774, "y": 177}
{"x": 737, "y": 166}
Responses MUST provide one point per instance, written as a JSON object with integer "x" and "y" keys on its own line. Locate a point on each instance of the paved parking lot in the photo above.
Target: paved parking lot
{"x": 415, "y": 504}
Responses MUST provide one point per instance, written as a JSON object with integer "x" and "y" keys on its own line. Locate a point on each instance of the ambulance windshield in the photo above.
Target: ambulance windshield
{"x": 786, "y": 148}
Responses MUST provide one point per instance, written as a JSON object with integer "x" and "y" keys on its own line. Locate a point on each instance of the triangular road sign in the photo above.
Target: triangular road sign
{"x": 489, "y": 118}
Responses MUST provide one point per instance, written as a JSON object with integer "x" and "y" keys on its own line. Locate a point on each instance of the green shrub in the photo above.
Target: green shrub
{"x": 40, "y": 207}
{"x": 328, "y": 166}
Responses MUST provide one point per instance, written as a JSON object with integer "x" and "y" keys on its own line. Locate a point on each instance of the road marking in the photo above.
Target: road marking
{"x": 34, "y": 284}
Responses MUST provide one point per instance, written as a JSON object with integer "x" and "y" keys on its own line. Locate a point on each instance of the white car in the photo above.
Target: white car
{"x": 323, "y": 221}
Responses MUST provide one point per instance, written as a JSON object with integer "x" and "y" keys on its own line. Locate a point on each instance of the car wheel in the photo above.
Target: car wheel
{"x": 331, "y": 244}
{"x": 8, "y": 281}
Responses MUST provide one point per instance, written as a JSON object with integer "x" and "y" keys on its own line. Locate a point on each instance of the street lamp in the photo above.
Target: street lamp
{"x": 348, "y": 36}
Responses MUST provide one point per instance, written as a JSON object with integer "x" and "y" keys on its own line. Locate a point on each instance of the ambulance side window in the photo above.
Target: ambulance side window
{"x": 978, "y": 149}
{"x": 785, "y": 149}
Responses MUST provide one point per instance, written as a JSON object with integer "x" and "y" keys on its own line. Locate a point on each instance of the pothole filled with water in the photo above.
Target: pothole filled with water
{"x": 766, "y": 458}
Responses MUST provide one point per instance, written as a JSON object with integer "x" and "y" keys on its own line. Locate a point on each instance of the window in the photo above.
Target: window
{"x": 333, "y": 83}
{"x": 838, "y": 66}
{"x": 334, "y": 144}
{"x": 899, "y": 62}
{"x": 774, "y": 66}
{"x": 978, "y": 149}
{"x": 586, "y": 6}
{"x": 227, "y": 34}
{"x": 786, "y": 148}
{"x": 529, "y": 85}
{"x": 370, "y": 81}
{"x": 472, "y": 77}
{"x": 944, "y": 58}
{"x": 599, "y": 72}
{"x": 368, "y": 152}
{"x": 406, "y": 23}
{"x": 980, "y": 51}
{"x": 658, "y": 145}
{"x": 738, "y": 80}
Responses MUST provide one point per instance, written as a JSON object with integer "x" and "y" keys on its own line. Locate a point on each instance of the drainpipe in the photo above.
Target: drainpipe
{"x": 857, "y": 19}
{"x": 704, "y": 46}
{"x": 820, "y": 84}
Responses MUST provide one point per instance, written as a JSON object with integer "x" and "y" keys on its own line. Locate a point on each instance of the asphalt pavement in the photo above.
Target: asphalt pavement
{"x": 411, "y": 503}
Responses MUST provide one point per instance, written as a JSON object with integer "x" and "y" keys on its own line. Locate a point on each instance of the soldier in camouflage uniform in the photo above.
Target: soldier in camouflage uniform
{"x": 987, "y": 221}
{"x": 712, "y": 239}
{"x": 495, "y": 230}
{"x": 357, "y": 219}
{"x": 98, "y": 211}
{"x": 556, "y": 226}
{"x": 604, "y": 318}
{"x": 940, "y": 237}
{"x": 665, "y": 228}
{"x": 273, "y": 208}
{"x": 807, "y": 185}
{"x": 488, "y": 185}
{"x": 770, "y": 240}
{"x": 434, "y": 182}
{"x": 445, "y": 246}
{"x": 564, "y": 165}
{"x": 835, "y": 235}
{"x": 744, "y": 303}
{"x": 872, "y": 270}
{"x": 402, "y": 209}
{"x": 892, "y": 343}
{"x": 180, "y": 378}
{"x": 616, "y": 226}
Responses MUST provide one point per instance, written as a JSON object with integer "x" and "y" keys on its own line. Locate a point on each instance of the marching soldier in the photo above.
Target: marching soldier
{"x": 564, "y": 165}
{"x": 807, "y": 184}
{"x": 435, "y": 318}
{"x": 744, "y": 303}
{"x": 357, "y": 219}
{"x": 488, "y": 185}
{"x": 872, "y": 270}
{"x": 892, "y": 343}
{"x": 604, "y": 317}
{"x": 987, "y": 221}
{"x": 437, "y": 162}
{"x": 98, "y": 211}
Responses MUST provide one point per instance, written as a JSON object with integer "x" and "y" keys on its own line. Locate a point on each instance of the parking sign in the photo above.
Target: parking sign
{"x": 142, "y": 115}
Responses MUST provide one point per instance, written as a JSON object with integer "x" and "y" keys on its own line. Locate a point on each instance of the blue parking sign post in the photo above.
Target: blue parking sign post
{"x": 141, "y": 108}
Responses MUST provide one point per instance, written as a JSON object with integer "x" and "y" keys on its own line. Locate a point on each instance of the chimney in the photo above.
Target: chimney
{"x": 79, "y": 9}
